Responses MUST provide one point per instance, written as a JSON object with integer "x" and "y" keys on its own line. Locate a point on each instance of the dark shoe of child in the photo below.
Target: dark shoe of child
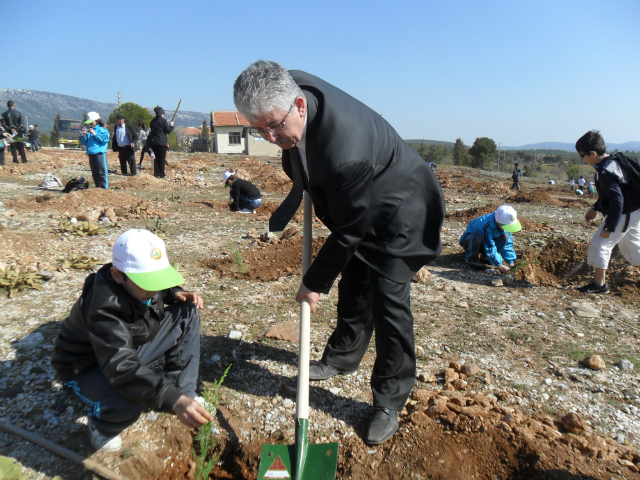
{"x": 384, "y": 423}
{"x": 594, "y": 288}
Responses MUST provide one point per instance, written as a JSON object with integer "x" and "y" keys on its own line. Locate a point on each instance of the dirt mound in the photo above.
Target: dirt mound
{"x": 534, "y": 196}
{"x": 464, "y": 184}
{"x": 264, "y": 262}
{"x": 266, "y": 177}
{"x": 141, "y": 181}
{"x": 80, "y": 202}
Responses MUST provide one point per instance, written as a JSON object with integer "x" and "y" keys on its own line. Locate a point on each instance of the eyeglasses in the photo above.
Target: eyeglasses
{"x": 264, "y": 132}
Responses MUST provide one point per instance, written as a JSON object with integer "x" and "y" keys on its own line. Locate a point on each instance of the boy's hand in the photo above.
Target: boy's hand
{"x": 590, "y": 216}
{"x": 504, "y": 268}
{"x": 191, "y": 413}
{"x": 194, "y": 297}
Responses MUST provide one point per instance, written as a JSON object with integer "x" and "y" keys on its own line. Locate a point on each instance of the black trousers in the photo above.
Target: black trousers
{"x": 368, "y": 302}
{"x": 2, "y": 155}
{"x": 516, "y": 185}
{"x": 160, "y": 152}
{"x": 126, "y": 155}
{"x": 18, "y": 147}
{"x": 178, "y": 340}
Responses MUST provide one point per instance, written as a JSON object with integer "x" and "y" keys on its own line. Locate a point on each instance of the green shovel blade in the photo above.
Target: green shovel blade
{"x": 315, "y": 462}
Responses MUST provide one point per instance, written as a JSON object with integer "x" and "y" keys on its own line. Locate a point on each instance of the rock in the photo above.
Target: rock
{"x": 459, "y": 384}
{"x": 625, "y": 365}
{"x": 438, "y": 410}
{"x": 46, "y": 275}
{"x": 90, "y": 216}
{"x": 487, "y": 378}
{"x": 508, "y": 280}
{"x": 213, "y": 360}
{"x": 234, "y": 335}
{"x": 267, "y": 237}
{"x": 289, "y": 331}
{"x": 151, "y": 417}
{"x": 105, "y": 220}
{"x": 464, "y": 305}
{"x": 594, "y": 362}
{"x": 288, "y": 233}
{"x": 475, "y": 411}
{"x": 419, "y": 418}
{"x": 457, "y": 366}
{"x": 30, "y": 341}
{"x": 450, "y": 375}
{"x": 496, "y": 282}
{"x": 422, "y": 275}
{"x": 504, "y": 396}
{"x": 585, "y": 310}
{"x": 427, "y": 378}
{"x": 573, "y": 423}
{"x": 423, "y": 396}
{"x": 110, "y": 213}
{"x": 470, "y": 370}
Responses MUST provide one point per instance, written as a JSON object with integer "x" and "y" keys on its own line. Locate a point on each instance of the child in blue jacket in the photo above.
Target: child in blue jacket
{"x": 96, "y": 138}
{"x": 488, "y": 238}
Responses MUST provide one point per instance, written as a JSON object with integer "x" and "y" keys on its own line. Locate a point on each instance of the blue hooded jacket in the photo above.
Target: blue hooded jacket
{"x": 96, "y": 143}
{"x": 486, "y": 225}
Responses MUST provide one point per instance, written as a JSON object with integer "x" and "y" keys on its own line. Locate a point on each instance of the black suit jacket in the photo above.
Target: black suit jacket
{"x": 131, "y": 132}
{"x": 376, "y": 195}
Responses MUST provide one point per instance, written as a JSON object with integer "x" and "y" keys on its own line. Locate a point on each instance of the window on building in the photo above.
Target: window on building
{"x": 235, "y": 138}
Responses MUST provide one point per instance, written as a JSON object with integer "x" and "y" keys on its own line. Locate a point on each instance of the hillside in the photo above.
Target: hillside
{"x": 429, "y": 142}
{"x": 570, "y": 147}
{"x": 41, "y": 108}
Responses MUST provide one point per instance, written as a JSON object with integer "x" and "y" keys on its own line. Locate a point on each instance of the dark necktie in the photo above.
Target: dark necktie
{"x": 289, "y": 206}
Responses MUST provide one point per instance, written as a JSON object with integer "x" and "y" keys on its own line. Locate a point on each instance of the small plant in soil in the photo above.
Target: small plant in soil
{"x": 158, "y": 228}
{"x": 174, "y": 198}
{"x": 80, "y": 228}
{"x": 236, "y": 257}
{"x": 14, "y": 280}
{"x": 204, "y": 437}
{"x": 82, "y": 262}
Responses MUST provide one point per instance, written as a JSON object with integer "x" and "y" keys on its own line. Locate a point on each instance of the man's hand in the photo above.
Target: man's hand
{"x": 305, "y": 294}
{"x": 191, "y": 413}
{"x": 194, "y": 297}
{"x": 504, "y": 268}
{"x": 590, "y": 216}
{"x": 171, "y": 124}
{"x": 133, "y": 145}
{"x": 604, "y": 234}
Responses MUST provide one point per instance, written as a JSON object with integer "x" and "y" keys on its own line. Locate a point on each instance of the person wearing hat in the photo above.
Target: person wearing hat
{"x": 96, "y": 139}
{"x": 157, "y": 141}
{"x": 124, "y": 143}
{"x": 245, "y": 196}
{"x": 118, "y": 327}
{"x": 33, "y": 138}
{"x": 489, "y": 239}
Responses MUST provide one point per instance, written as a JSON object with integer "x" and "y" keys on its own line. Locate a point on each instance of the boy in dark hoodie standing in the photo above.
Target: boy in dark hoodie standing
{"x": 618, "y": 204}
{"x": 118, "y": 327}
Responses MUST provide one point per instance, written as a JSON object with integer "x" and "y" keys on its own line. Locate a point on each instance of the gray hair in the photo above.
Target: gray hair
{"x": 262, "y": 87}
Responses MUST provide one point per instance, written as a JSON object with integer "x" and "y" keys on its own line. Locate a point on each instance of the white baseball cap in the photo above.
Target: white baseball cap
{"x": 143, "y": 257}
{"x": 507, "y": 217}
{"x": 92, "y": 117}
{"x": 227, "y": 174}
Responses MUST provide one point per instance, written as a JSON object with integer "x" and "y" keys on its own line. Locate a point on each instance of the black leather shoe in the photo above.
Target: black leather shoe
{"x": 322, "y": 371}
{"x": 384, "y": 423}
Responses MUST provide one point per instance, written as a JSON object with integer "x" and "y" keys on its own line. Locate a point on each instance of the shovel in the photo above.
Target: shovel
{"x": 301, "y": 461}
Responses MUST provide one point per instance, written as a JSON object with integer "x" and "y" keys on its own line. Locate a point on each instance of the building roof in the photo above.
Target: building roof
{"x": 228, "y": 119}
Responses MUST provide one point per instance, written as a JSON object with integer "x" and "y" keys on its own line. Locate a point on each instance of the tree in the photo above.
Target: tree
{"x": 55, "y": 132}
{"x": 45, "y": 139}
{"x": 172, "y": 140}
{"x": 134, "y": 114}
{"x": 483, "y": 150}
{"x": 85, "y": 117}
{"x": 435, "y": 153}
{"x": 204, "y": 133}
{"x": 460, "y": 153}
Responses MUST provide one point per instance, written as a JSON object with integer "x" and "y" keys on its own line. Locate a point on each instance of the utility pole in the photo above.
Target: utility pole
{"x": 118, "y": 101}
{"x": 498, "y": 157}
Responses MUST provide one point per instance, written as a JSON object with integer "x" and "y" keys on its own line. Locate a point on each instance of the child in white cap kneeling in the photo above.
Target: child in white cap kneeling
{"x": 118, "y": 327}
{"x": 488, "y": 239}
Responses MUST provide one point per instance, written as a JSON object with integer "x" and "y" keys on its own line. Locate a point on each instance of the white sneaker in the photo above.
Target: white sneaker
{"x": 245, "y": 210}
{"x": 102, "y": 442}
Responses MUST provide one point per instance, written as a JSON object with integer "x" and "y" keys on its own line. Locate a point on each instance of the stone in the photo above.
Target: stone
{"x": 450, "y": 375}
{"x": 423, "y": 395}
{"x": 438, "y": 410}
{"x": 45, "y": 275}
{"x": 585, "y": 310}
{"x": 151, "y": 417}
{"x": 620, "y": 438}
{"x": 496, "y": 282}
{"x": 625, "y": 365}
{"x": 594, "y": 362}
{"x": 288, "y": 331}
{"x": 427, "y": 378}
{"x": 459, "y": 384}
{"x": 457, "y": 366}
{"x": 288, "y": 233}
{"x": 234, "y": 335}
{"x": 110, "y": 213}
{"x": 470, "y": 369}
{"x": 475, "y": 411}
{"x": 420, "y": 418}
{"x": 464, "y": 305}
{"x": 487, "y": 378}
{"x": 508, "y": 280}
{"x": 267, "y": 237}
{"x": 573, "y": 423}
{"x": 422, "y": 275}
{"x": 213, "y": 360}
{"x": 90, "y": 216}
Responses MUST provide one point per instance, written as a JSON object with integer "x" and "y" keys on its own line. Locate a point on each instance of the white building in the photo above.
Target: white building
{"x": 233, "y": 134}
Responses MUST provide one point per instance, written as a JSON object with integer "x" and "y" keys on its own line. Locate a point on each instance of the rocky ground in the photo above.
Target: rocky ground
{"x": 504, "y": 388}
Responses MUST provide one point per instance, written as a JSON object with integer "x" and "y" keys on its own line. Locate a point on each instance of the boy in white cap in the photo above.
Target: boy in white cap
{"x": 489, "y": 239}
{"x": 118, "y": 327}
{"x": 245, "y": 196}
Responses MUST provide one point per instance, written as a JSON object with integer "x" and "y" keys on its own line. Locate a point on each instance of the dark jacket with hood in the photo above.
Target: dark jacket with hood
{"x": 158, "y": 131}
{"x": 131, "y": 132}
{"x": 13, "y": 121}
{"x": 242, "y": 187}
{"x": 614, "y": 192}
{"x": 104, "y": 330}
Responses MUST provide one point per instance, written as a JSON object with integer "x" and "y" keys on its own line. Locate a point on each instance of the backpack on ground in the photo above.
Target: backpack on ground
{"x": 75, "y": 184}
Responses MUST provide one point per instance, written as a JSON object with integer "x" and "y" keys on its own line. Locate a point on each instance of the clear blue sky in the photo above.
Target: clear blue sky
{"x": 516, "y": 71}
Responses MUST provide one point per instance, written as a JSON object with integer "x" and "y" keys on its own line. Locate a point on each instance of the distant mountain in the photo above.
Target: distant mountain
{"x": 429, "y": 142}
{"x": 41, "y": 108}
{"x": 570, "y": 147}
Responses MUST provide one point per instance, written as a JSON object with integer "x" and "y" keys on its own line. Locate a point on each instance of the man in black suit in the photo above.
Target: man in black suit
{"x": 124, "y": 143}
{"x": 383, "y": 206}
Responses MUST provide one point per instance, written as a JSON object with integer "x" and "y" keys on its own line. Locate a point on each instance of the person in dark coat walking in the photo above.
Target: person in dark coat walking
{"x": 157, "y": 141}
{"x": 33, "y": 135}
{"x": 124, "y": 143}
{"x": 383, "y": 206}
{"x": 14, "y": 124}
{"x": 515, "y": 176}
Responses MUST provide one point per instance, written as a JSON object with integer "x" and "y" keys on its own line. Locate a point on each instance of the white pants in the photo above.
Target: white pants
{"x": 628, "y": 242}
